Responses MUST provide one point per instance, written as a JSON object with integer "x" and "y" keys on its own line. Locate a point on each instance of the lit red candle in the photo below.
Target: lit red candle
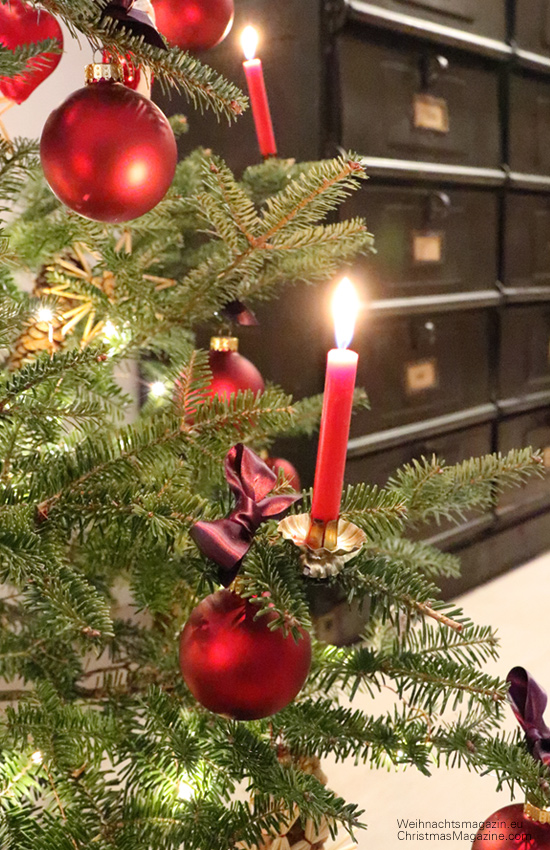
{"x": 258, "y": 94}
{"x": 337, "y": 407}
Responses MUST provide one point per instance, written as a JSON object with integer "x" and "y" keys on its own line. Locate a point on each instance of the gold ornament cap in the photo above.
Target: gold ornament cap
{"x": 533, "y": 813}
{"x": 104, "y": 72}
{"x": 224, "y": 343}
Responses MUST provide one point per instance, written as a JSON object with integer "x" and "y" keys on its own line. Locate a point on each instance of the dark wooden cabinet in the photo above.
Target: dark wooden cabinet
{"x": 413, "y": 102}
{"x": 428, "y": 240}
{"x": 452, "y": 447}
{"x": 532, "y": 25}
{"x": 530, "y": 429}
{"x": 525, "y": 351}
{"x": 527, "y": 240}
{"x": 529, "y": 122}
{"x": 480, "y": 17}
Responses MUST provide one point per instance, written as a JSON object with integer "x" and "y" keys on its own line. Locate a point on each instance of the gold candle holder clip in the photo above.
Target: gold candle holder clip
{"x": 325, "y": 546}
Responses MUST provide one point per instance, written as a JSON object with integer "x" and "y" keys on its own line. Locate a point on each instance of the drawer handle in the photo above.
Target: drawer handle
{"x": 438, "y": 206}
{"x": 423, "y": 333}
{"x": 431, "y": 69}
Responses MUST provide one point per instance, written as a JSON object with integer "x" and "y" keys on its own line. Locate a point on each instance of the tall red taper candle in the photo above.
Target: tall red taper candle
{"x": 258, "y": 94}
{"x": 337, "y": 408}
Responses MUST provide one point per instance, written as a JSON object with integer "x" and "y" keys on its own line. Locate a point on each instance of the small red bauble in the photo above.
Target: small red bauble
{"x": 234, "y": 664}
{"x": 279, "y": 464}
{"x": 132, "y": 72}
{"x": 108, "y": 153}
{"x": 194, "y": 24}
{"x": 231, "y": 371}
{"x": 23, "y": 24}
{"x": 509, "y": 829}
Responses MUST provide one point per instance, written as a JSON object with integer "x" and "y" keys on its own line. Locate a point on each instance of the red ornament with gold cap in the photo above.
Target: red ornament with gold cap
{"x": 231, "y": 372}
{"x": 522, "y": 826}
{"x": 234, "y": 664}
{"x": 21, "y": 23}
{"x": 108, "y": 153}
{"x": 515, "y": 827}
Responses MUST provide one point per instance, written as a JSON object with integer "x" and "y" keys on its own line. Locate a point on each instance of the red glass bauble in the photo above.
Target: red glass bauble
{"x": 108, "y": 152}
{"x": 232, "y": 372}
{"x": 234, "y": 664}
{"x": 132, "y": 73}
{"x": 509, "y": 829}
{"x": 279, "y": 464}
{"x": 23, "y": 24}
{"x": 194, "y": 24}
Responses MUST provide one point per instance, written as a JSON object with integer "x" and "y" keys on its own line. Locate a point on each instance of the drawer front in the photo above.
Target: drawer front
{"x": 529, "y": 124}
{"x": 531, "y": 429}
{"x": 527, "y": 240}
{"x": 413, "y": 103}
{"x": 417, "y": 367}
{"x": 428, "y": 241}
{"x": 453, "y": 448}
{"x": 525, "y": 351}
{"x": 532, "y": 28}
{"x": 482, "y": 17}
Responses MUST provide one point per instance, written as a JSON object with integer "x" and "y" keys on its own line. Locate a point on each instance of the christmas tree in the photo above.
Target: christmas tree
{"x": 104, "y": 743}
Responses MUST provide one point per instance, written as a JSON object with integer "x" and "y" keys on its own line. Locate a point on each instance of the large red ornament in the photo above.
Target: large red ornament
{"x": 279, "y": 464}
{"x": 509, "y": 829}
{"x": 234, "y": 664}
{"x": 108, "y": 153}
{"x": 194, "y": 25}
{"x": 231, "y": 371}
{"x": 23, "y": 24}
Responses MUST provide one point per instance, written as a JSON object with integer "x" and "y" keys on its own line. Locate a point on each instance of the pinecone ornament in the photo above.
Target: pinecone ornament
{"x": 72, "y": 307}
{"x": 299, "y": 833}
{"x": 38, "y": 334}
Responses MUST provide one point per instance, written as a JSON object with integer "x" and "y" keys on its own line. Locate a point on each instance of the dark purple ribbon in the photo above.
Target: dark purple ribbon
{"x": 528, "y": 701}
{"x": 238, "y": 312}
{"x": 226, "y": 541}
{"x": 134, "y": 21}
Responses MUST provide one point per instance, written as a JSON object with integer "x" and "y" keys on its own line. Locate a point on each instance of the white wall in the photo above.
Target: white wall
{"x": 29, "y": 118}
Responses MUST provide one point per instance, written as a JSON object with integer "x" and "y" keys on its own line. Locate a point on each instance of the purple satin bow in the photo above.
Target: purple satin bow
{"x": 226, "y": 541}
{"x": 528, "y": 701}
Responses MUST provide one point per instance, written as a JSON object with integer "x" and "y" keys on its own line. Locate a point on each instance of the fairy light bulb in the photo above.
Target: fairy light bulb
{"x": 44, "y": 314}
{"x": 157, "y": 389}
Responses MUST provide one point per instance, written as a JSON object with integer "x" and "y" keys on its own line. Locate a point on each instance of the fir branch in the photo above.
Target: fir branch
{"x": 417, "y": 555}
{"x": 14, "y": 61}
{"x": 173, "y": 68}
{"x": 432, "y": 490}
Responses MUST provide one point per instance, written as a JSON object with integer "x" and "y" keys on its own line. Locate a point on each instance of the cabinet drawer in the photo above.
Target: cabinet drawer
{"x": 428, "y": 241}
{"x": 527, "y": 240}
{"x": 532, "y": 26}
{"x": 525, "y": 351}
{"x": 453, "y": 448}
{"x": 529, "y": 124}
{"x": 531, "y": 429}
{"x": 418, "y": 367}
{"x": 487, "y": 17}
{"x": 414, "y": 103}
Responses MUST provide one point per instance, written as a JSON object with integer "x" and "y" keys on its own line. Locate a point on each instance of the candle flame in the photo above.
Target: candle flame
{"x": 249, "y": 41}
{"x": 345, "y": 307}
